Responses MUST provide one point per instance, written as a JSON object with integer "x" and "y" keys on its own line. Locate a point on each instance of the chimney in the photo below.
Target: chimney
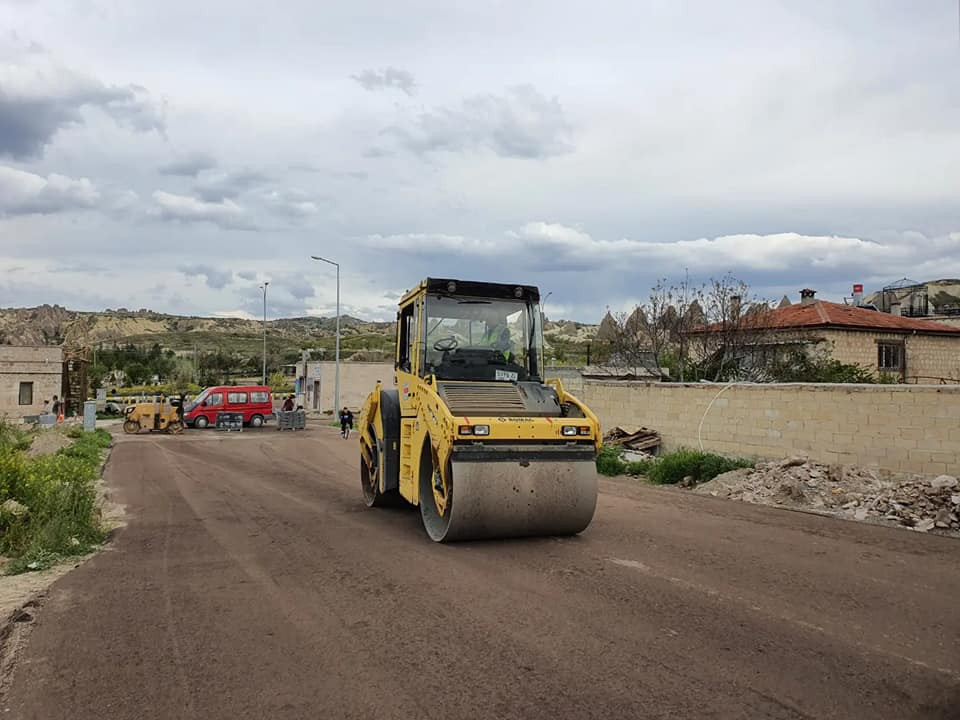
{"x": 807, "y": 296}
{"x": 735, "y": 301}
{"x": 857, "y": 295}
{"x": 895, "y": 306}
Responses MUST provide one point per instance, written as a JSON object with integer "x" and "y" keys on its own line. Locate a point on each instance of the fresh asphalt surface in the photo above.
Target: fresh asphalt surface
{"x": 251, "y": 582}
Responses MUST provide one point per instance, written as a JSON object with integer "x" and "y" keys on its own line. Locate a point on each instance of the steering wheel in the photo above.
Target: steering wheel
{"x": 446, "y": 344}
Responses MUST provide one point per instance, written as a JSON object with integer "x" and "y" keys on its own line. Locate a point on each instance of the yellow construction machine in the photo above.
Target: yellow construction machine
{"x": 472, "y": 433}
{"x": 156, "y": 416}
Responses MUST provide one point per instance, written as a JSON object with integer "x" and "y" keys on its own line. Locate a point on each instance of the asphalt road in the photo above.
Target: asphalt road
{"x": 251, "y": 582}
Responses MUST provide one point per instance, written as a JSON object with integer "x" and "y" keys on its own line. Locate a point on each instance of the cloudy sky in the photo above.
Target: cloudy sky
{"x": 173, "y": 155}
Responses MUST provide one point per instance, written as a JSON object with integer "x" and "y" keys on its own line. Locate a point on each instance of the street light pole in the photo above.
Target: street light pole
{"x": 336, "y": 391}
{"x": 264, "y": 288}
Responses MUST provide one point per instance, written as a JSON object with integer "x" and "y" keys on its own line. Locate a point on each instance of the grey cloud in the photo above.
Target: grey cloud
{"x": 291, "y": 203}
{"x": 38, "y": 99}
{"x": 214, "y": 278}
{"x": 377, "y": 152}
{"x": 229, "y": 185}
{"x": 247, "y": 275}
{"x": 522, "y": 123}
{"x": 298, "y": 286}
{"x": 24, "y": 193}
{"x": 185, "y": 208}
{"x": 189, "y": 165}
{"x": 280, "y": 303}
{"x": 386, "y": 79}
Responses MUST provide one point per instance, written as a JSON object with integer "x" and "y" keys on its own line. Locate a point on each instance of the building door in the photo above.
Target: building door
{"x": 316, "y": 394}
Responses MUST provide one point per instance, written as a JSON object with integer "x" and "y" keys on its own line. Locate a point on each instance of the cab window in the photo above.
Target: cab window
{"x": 214, "y": 399}
{"x": 405, "y": 325}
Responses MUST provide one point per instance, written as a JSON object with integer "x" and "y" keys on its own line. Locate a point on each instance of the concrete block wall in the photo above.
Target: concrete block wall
{"x": 570, "y": 377}
{"x": 904, "y": 428}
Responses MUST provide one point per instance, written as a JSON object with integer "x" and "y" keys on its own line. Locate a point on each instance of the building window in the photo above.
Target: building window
{"x": 890, "y": 356}
{"x": 26, "y": 393}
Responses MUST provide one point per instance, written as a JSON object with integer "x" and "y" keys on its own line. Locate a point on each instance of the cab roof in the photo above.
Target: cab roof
{"x": 472, "y": 288}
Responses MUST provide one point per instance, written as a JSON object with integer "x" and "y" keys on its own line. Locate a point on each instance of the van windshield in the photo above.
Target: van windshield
{"x": 196, "y": 401}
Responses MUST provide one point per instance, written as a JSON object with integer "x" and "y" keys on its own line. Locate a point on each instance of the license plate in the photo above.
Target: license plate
{"x": 507, "y": 375}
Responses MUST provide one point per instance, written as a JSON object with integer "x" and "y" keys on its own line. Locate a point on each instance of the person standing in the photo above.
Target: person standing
{"x": 346, "y": 423}
{"x": 288, "y": 404}
{"x": 57, "y": 408}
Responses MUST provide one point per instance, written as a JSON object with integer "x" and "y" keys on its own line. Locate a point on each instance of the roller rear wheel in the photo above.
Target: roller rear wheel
{"x": 370, "y": 472}
{"x": 131, "y": 426}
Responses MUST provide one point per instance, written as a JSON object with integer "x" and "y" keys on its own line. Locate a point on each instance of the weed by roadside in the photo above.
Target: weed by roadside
{"x": 669, "y": 468}
{"x": 13, "y": 438}
{"x": 48, "y": 504}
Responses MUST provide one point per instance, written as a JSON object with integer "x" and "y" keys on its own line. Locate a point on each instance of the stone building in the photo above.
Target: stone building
{"x": 28, "y": 376}
{"x": 357, "y": 379}
{"x": 909, "y": 349}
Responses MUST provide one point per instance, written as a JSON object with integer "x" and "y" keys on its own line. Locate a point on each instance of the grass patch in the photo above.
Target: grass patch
{"x": 670, "y": 468}
{"x": 48, "y": 506}
{"x": 13, "y": 438}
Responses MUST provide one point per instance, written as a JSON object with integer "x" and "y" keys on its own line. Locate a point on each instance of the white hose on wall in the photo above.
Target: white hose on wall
{"x": 710, "y": 405}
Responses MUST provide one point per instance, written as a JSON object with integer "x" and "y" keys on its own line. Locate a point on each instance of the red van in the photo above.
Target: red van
{"x": 254, "y": 401}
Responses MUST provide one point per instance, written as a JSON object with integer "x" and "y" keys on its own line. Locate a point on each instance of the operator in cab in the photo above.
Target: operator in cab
{"x": 497, "y": 335}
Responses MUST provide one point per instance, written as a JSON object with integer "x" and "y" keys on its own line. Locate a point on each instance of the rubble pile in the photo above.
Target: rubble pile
{"x": 856, "y": 493}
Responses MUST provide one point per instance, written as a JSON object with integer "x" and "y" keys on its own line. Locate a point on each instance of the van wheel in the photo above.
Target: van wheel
{"x": 256, "y": 421}
{"x": 201, "y": 422}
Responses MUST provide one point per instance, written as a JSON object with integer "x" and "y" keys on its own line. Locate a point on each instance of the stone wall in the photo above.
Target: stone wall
{"x": 41, "y": 365}
{"x": 909, "y": 428}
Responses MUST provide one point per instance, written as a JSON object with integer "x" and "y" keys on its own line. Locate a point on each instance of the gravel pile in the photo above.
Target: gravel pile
{"x": 47, "y": 442}
{"x": 856, "y": 493}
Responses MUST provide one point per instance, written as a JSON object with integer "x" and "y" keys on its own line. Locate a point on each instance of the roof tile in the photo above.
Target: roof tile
{"x": 828, "y": 314}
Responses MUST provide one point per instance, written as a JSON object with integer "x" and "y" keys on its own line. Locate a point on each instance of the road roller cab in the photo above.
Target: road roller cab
{"x": 472, "y": 433}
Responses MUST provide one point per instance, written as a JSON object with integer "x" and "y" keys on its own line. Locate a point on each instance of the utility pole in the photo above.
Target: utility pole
{"x": 303, "y": 384}
{"x": 264, "y": 288}
{"x": 336, "y": 391}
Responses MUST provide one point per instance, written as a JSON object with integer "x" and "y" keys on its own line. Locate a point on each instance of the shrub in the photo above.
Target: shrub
{"x": 610, "y": 460}
{"x": 13, "y": 437}
{"x": 55, "y": 514}
{"x": 671, "y": 468}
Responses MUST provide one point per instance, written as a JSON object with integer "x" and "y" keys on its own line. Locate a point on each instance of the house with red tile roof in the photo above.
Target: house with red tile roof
{"x": 909, "y": 349}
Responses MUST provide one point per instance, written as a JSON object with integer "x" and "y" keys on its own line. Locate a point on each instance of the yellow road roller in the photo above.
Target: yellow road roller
{"x": 472, "y": 433}
{"x": 156, "y": 416}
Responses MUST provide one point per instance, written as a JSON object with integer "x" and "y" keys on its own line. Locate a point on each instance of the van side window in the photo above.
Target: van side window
{"x": 259, "y": 397}
{"x": 237, "y": 398}
{"x": 215, "y": 399}
{"x": 405, "y": 341}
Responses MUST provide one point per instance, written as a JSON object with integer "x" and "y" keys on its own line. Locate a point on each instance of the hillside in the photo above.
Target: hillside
{"x": 55, "y": 325}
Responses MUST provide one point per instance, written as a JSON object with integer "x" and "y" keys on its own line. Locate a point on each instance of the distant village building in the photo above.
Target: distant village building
{"x": 910, "y": 349}
{"x": 28, "y": 376}
{"x": 935, "y": 300}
